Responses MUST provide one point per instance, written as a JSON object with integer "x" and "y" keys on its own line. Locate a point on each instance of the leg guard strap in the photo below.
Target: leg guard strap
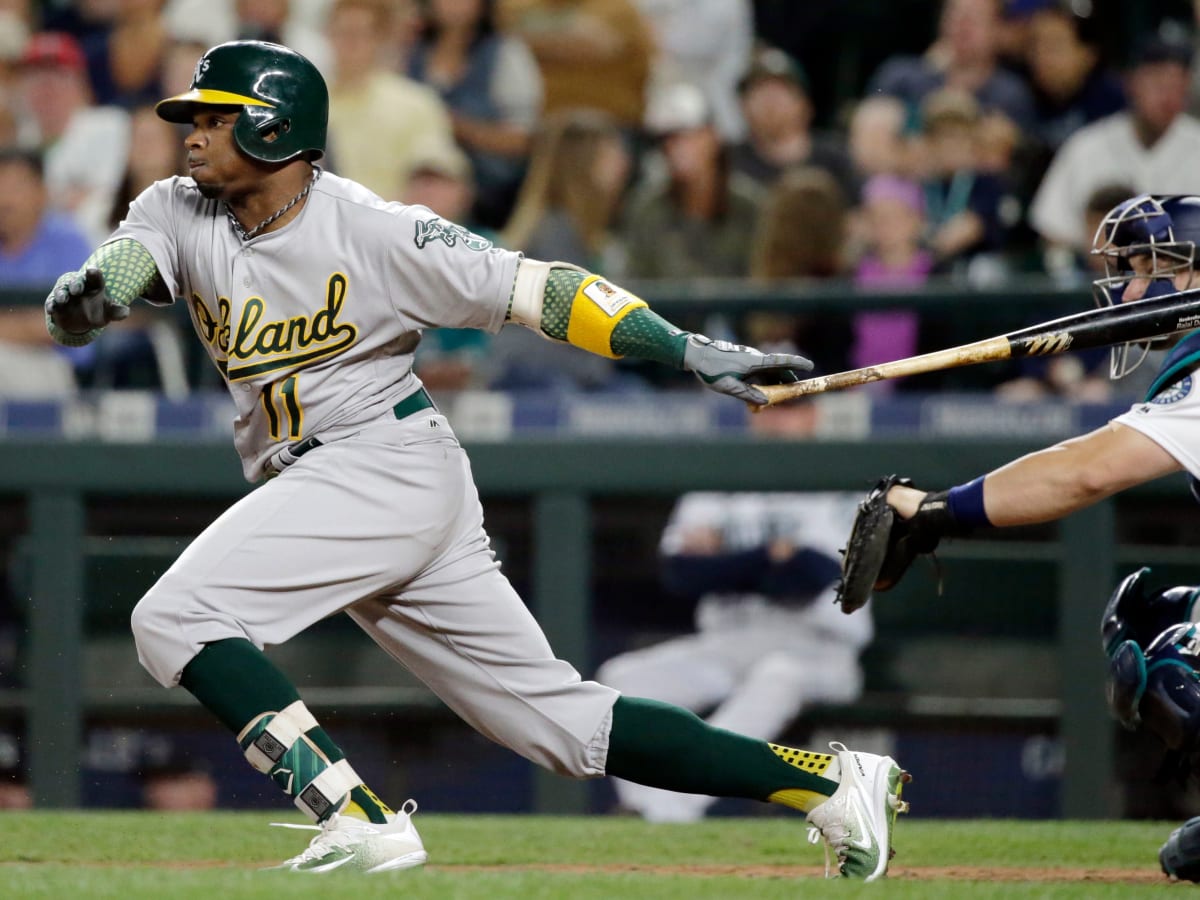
{"x": 266, "y": 739}
{"x": 324, "y": 794}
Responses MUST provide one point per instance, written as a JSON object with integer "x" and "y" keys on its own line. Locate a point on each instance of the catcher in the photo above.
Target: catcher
{"x": 1149, "y": 248}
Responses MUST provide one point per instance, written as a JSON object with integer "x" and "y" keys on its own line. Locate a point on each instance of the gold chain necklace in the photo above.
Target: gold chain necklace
{"x": 257, "y": 229}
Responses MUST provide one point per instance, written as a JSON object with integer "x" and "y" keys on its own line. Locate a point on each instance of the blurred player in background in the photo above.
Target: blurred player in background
{"x": 769, "y": 640}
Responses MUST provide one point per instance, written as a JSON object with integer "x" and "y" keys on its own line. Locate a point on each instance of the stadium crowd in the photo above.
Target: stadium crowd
{"x": 650, "y": 139}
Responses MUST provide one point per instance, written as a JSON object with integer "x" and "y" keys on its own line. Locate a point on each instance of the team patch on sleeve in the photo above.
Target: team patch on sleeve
{"x": 1173, "y": 394}
{"x": 437, "y": 229}
{"x": 609, "y": 297}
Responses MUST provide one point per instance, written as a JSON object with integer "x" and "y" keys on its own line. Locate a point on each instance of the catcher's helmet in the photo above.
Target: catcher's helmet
{"x": 1164, "y": 228}
{"x": 283, "y": 99}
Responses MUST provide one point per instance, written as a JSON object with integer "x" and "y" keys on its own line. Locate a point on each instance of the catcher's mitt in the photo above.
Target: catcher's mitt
{"x": 882, "y": 545}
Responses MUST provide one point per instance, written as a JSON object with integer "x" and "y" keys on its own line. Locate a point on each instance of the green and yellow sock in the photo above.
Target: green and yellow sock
{"x": 664, "y": 746}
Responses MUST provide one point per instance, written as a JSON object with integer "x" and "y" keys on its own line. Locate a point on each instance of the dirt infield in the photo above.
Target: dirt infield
{"x": 985, "y": 874}
{"x": 899, "y": 873}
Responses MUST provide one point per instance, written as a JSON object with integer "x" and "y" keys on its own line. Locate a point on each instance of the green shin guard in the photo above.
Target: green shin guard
{"x": 235, "y": 681}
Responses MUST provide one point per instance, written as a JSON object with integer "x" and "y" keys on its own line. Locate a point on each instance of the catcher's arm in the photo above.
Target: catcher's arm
{"x": 82, "y": 303}
{"x": 566, "y": 303}
{"x": 883, "y": 543}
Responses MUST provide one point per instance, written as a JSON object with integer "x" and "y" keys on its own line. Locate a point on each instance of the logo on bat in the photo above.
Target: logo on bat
{"x": 1043, "y": 344}
{"x": 1187, "y": 322}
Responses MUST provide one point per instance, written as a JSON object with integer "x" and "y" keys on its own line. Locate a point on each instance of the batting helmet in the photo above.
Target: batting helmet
{"x": 1166, "y": 229}
{"x": 283, "y": 99}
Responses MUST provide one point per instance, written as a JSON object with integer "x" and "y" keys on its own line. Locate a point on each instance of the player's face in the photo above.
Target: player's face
{"x": 221, "y": 171}
{"x": 1143, "y": 269}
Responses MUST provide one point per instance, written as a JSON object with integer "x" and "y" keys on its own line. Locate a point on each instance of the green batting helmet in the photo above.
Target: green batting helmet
{"x": 284, "y": 101}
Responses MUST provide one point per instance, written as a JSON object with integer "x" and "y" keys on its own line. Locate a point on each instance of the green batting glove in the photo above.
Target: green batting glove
{"x": 723, "y": 367}
{"x": 79, "y": 304}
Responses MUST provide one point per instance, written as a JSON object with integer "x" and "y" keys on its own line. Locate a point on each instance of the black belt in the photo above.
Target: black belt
{"x": 413, "y": 403}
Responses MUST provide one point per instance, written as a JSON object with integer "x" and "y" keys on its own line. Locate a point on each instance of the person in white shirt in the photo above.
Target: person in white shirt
{"x": 85, "y": 147}
{"x": 1152, "y": 147}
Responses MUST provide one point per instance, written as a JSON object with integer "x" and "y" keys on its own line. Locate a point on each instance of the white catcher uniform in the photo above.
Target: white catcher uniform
{"x": 313, "y": 326}
{"x": 1172, "y": 420}
{"x": 755, "y": 662}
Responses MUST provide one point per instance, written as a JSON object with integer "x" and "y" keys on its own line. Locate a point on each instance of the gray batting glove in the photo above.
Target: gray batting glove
{"x": 78, "y": 302}
{"x": 723, "y": 367}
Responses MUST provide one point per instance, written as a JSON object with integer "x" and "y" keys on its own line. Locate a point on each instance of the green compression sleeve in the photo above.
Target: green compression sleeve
{"x": 643, "y": 334}
{"x": 129, "y": 272}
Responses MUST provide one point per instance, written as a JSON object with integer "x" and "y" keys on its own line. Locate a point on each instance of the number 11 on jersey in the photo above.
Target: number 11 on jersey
{"x": 283, "y": 409}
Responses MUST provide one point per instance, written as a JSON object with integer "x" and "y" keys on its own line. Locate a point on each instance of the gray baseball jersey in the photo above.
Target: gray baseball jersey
{"x": 314, "y": 326}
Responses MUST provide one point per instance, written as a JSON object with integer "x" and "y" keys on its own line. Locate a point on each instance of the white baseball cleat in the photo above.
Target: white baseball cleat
{"x": 856, "y": 821}
{"x": 348, "y": 843}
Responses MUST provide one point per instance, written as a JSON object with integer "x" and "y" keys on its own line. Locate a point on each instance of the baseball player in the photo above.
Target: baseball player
{"x": 769, "y": 640}
{"x": 1149, "y": 245}
{"x": 310, "y": 294}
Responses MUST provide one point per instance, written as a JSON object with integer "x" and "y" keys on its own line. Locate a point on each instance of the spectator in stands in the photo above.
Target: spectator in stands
{"x": 296, "y": 23}
{"x": 160, "y": 154}
{"x": 779, "y": 115}
{"x": 376, "y": 117}
{"x": 179, "y": 61}
{"x": 893, "y": 210}
{"x": 8, "y": 123}
{"x": 85, "y": 147}
{"x": 448, "y": 358}
{"x": 1152, "y": 146}
{"x": 493, "y": 88}
{"x": 696, "y": 218}
{"x": 1080, "y": 377}
{"x": 124, "y": 60}
{"x": 706, "y": 43}
{"x": 36, "y": 243}
{"x": 963, "y": 57}
{"x": 16, "y": 22}
{"x": 878, "y": 142}
{"x": 442, "y": 179}
{"x": 1072, "y": 87}
{"x": 272, "y": 20}
{"x": 174, "y": 782}
{"x": 593, "y": 54}
{"x": 577, "y": 172}
{"x": 769, "y": 643}
{"x": 171, "y": 790}
{"x": 964, "y": 206}
{"x": 1012, "y": 34}
{"x": 801, "y": 233}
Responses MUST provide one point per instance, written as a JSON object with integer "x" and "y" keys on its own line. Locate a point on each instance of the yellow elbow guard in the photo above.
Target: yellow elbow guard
{"x": 596, "y": 309}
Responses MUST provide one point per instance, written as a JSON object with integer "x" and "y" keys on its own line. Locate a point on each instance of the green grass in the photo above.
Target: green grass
{"x": 218, "y": 856}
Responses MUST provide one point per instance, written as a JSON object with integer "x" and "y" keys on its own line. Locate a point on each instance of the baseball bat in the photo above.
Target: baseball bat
{"x": 1134, "y": 321}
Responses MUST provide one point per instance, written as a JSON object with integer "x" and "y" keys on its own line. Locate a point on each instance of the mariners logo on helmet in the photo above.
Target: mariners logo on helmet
{"x": 283, "y": 99}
